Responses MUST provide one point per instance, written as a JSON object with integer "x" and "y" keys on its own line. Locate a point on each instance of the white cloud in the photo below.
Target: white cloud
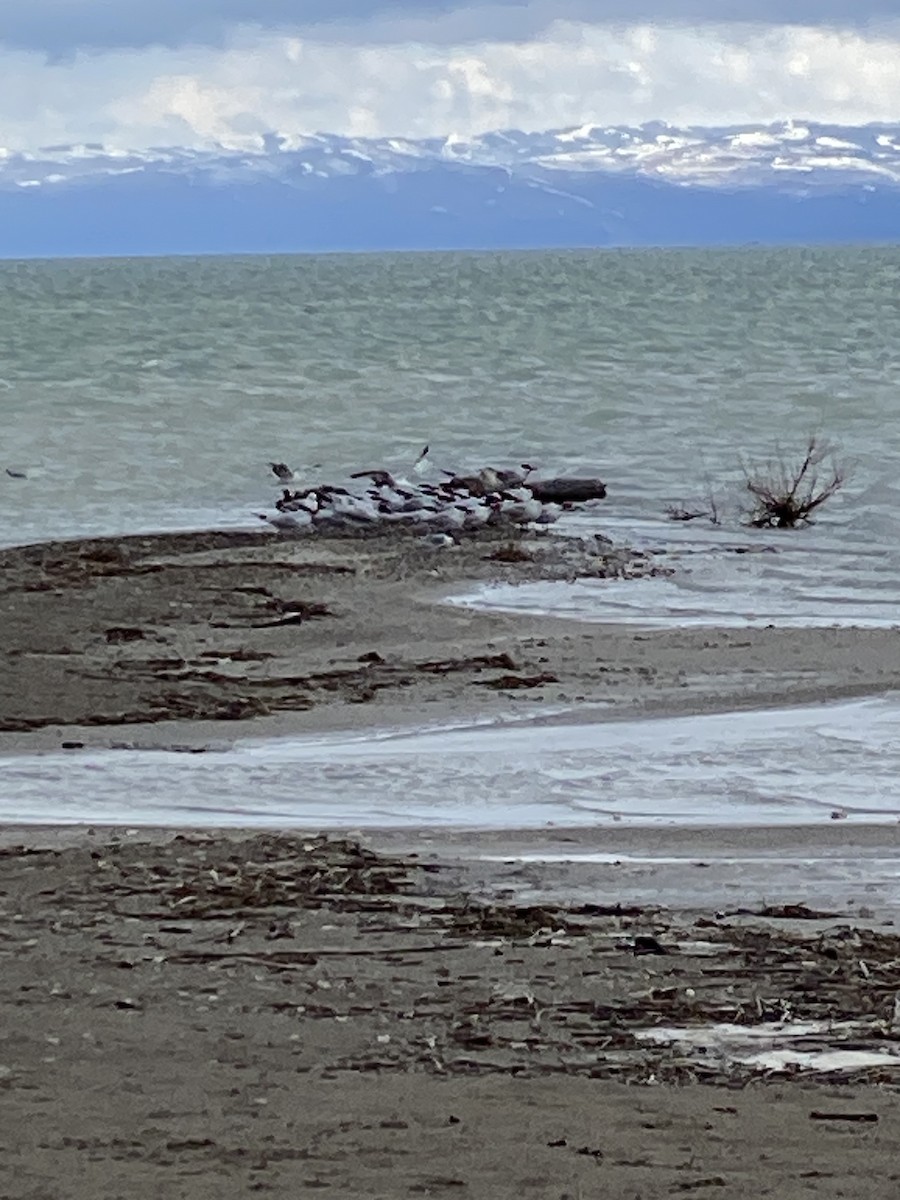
{"x": 576, "y": 72}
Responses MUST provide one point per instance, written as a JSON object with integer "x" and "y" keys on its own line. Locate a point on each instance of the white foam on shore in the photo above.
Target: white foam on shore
{"x": 791, "y": 766}
{"x": 661, "y": 602}
{"x": 612, "y": 859}
{"x": 721, "y": 577}
{"x": 785, "y": 1045}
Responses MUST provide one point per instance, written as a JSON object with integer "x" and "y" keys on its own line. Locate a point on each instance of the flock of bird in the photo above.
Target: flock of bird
{"x": 441, "y": 510}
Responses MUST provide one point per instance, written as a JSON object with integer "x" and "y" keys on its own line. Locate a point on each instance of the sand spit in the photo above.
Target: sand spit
{"x": 234, "y": 626}
{"x": 188, "y": 635}
{"x": 215, "y": 1015}
{"x": 210, "y": 1015}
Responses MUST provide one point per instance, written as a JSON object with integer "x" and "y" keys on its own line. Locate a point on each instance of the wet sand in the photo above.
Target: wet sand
{"x": 195, "y": 636}
{"x": 220, "y": 1014}
{"x": 214, "y": 1014}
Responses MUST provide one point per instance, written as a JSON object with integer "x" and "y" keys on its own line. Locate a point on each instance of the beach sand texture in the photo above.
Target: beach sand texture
{"x": 301, "y": 633}
{"x": 217, "y": 1014}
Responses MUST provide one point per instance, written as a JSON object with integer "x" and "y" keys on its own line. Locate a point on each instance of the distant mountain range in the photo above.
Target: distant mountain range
{"x": 793, "y": 182}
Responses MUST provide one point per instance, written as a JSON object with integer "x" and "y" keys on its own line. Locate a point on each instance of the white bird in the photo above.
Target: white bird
{"x": 522, "y": 494}
{"x": 450, "y": 518}
{"x": 295, "y": 502}
{"x": 477, "y": 514}
{"x": 520, "y": 510}
{"x": 394, "y": 498}
{"x": 288, "y": 521}
{"x": 344, "y": 511}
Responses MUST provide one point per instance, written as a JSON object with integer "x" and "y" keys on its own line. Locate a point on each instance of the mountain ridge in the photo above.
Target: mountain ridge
{"x": 593, "y": 185}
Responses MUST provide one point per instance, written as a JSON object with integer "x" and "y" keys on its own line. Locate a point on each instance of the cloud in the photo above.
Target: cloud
{"x": 575, "y": 72}
{"x": 59, "y": 28}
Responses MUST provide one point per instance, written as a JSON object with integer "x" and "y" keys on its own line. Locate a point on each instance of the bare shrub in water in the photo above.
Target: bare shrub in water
{"x": 708, "y": 507}
{"x": 784, "y": 494}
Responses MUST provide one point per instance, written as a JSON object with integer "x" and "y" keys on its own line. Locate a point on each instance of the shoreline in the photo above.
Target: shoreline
{"x": 848, "y": 872}
{"x": 331, "y": 722}
{"x": 271, "y": 1012}
{"x": 217, "y": 636}
{"x": 426, "y": 1011}
{"x": 220, "y": 627}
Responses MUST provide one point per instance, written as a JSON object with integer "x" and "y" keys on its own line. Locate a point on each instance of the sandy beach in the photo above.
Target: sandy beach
{"x": 219, "y": 1014}
{"x": 215, "y": 1013}
{"x": 192, "y": 636}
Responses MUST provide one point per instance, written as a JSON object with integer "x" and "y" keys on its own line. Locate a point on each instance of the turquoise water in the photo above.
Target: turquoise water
{"x": 150, "y": 394}
{"x": 142, "y": 395}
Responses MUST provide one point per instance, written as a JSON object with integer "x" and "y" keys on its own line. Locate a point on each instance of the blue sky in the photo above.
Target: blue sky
{"x": 136, "y": 73}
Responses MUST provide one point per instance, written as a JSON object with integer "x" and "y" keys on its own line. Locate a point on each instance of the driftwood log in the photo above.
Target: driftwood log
{"x": 567, "y": 491}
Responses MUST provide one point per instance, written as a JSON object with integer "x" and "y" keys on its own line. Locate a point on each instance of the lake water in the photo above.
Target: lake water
{"x": 151, "y": 394}
{"x": 794, "y": 767}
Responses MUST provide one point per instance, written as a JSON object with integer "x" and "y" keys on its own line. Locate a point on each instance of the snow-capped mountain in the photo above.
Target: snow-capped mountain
{"x": 594, "y": 185}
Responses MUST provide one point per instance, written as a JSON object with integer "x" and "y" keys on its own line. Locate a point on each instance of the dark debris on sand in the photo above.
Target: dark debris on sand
{"x": 464, "y": 984}
{"x": 142, "y": 629}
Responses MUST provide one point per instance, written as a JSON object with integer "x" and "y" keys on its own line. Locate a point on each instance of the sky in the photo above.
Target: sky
{"x": 197, "y": 73}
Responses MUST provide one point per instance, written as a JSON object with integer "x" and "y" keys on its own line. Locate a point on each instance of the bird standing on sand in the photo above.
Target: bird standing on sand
{"x": 284, "y": 521}
{"x": 454, "y": 504}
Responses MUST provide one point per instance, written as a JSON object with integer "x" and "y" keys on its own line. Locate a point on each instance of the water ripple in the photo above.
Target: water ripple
{"x": 795, "y": 766}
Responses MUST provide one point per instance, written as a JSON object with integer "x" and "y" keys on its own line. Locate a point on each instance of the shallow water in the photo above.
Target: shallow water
{"x": 151, "y": 394}
{"x": 712, "y": 590}
{"x": 826, "y": 575}
{"x": 143, "y": 395}
{"x": 710, "y": 873}
{"x": 793, "y": 766}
